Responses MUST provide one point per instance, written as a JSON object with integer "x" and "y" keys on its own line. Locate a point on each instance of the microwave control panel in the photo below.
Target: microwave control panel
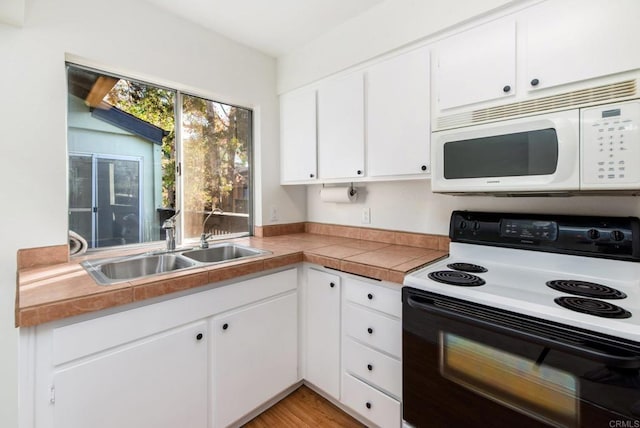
{"x": 610, "y": 155}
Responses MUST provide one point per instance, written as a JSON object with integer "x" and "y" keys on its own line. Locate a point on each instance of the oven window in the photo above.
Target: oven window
{"x": 540, "y": 391}
{"x": 518, "y": 154}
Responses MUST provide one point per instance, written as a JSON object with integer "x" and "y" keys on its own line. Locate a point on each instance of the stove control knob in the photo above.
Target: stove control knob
{"x": 593, "y": 234}
{"x": 476, "y": 225}
{"x": 463, "y": 225}
{"x": 617, "y": 235}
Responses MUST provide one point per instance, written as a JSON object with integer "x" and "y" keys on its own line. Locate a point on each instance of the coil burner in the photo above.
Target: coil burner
{"x": 586, "y": 289}
{"x": 592, "y": 307}
{"x": 453, "y": 277}
{"x": 467, "y": 267}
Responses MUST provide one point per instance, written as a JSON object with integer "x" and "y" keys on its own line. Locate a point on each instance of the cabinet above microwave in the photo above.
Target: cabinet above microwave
{"x": 548, "y": 48}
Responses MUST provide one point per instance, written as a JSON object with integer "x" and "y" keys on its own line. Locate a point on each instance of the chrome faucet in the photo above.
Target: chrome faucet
{"x": 169, "y": 225}
{"x": 204, "y": 236}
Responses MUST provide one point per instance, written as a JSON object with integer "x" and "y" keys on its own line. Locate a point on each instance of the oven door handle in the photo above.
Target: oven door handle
{"x": 593, "y": 354}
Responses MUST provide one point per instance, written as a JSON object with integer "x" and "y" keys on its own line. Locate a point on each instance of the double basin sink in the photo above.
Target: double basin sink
{"x": 111, "y": 271}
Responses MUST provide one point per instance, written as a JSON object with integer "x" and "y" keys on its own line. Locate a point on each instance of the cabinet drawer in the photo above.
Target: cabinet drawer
{"x": 374, "y": 296}
{"x": 374, "y": 329}
{"x": 379, "y": 408}
{"x": 374, "y": 367}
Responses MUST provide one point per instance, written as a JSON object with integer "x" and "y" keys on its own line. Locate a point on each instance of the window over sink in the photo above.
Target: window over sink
{"x": 139, "y": 153}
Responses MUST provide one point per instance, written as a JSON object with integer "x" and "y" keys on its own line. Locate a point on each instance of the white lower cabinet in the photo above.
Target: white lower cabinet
{"x": 138, "y": 385}
{"x": 255, "y": 355}
{"x": 166, "y": 364}
{"x": 372, "y": 351}
{"x": 373, "y": 367}
{"x": 374, "y": 405}
{"x": 322, "y": 332}
{"x": 376, "y": 330}
{"x": 210, "y": 358}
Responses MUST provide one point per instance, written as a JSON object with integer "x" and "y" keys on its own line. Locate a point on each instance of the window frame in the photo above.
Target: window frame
{"x": 179, "y": 91}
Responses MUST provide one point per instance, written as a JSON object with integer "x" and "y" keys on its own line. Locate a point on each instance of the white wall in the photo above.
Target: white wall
{"x": 126, "y": 37}
{"x": 385, "y": 27}
{"x": 411, "y": 206}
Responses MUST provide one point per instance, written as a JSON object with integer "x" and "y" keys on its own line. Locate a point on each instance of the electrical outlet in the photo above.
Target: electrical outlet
{"x": 274, "y": 214}
{"x": 366, "y": 215}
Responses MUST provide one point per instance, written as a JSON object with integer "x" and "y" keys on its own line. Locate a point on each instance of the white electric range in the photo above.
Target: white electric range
{"x": 532, "y": 320}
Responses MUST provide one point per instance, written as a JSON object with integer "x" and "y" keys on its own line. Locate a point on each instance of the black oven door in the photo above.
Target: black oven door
{"x": 470, "y": 365}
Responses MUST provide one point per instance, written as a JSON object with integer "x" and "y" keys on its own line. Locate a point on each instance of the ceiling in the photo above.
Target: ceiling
{"x": 12, "y": 12}
{"x": 275, "y": 27}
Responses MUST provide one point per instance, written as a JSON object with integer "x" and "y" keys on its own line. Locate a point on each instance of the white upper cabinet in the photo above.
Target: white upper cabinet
{"x": 341, "y": 127}
{"x": 398, "y": 115}
{"x": 572, "y": 40}
{"x": 298, "y": 136}
{"x": 476, "y": 65}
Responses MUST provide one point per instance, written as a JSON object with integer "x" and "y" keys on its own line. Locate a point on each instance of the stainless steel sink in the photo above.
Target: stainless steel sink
{"x": 111, "y": 271}
{"x": 222, "y": 253}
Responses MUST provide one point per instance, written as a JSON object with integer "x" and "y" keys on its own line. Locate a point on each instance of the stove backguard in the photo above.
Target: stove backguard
{"x": 604, "y": 237}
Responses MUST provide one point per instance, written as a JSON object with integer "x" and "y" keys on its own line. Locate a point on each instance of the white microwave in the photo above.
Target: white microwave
{"x": 588, "y": 149}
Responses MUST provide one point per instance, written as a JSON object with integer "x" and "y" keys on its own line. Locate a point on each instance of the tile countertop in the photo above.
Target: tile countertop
{"x": 65, "y": 289}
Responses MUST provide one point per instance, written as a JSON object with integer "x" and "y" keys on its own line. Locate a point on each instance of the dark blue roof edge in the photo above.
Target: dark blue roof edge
{"x": 129, "y": 122}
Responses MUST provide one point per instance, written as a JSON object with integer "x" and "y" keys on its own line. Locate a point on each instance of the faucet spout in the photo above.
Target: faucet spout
{"x": 204, "y": 236}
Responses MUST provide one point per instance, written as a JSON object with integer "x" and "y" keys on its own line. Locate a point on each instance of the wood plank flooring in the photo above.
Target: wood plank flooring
{"x": 303, "y": 408}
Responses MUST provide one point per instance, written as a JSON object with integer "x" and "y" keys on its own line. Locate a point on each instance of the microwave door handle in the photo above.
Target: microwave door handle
{"x": 606, "y": 358}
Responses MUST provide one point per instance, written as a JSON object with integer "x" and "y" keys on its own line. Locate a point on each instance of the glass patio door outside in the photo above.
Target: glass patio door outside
{"x": 105, "y": 204}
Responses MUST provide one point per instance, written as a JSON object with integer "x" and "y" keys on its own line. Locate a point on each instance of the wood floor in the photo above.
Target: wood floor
{"x": 303, "y": 408}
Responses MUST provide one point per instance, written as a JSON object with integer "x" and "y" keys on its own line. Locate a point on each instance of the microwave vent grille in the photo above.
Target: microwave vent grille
{"x": 580, "y": 98}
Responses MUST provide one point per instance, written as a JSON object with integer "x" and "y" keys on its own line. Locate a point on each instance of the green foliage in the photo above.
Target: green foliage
{"x": 215, "y": 140}
{"x": 156, "y": 106}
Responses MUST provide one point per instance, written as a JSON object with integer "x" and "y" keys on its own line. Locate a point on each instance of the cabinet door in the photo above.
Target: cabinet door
{"x": 156, "y": 382}
{"x": 398, "y": 115}
{"x": 323, "y": 331}
{"x": 341, "y": 127}
{"x": 573, "y": 40}
{"x": 477, "y": 65}
{"x": 255, "y": 356}
{"x": 298, "y": 135}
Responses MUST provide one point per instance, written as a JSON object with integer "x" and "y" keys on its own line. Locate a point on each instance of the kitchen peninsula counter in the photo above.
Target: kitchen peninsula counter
{"x": 51, "y": 288}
